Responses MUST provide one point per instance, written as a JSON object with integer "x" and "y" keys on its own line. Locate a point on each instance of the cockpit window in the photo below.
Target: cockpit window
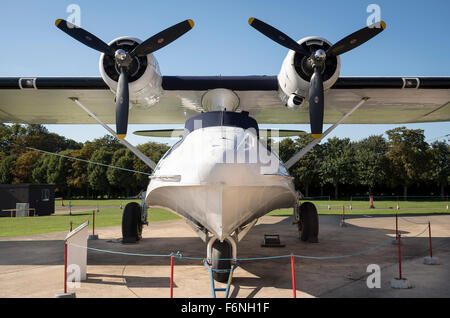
{"x": 221, "y": 118}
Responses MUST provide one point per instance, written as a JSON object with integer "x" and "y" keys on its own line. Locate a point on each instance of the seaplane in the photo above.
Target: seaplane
{"x": 221, "y": 175}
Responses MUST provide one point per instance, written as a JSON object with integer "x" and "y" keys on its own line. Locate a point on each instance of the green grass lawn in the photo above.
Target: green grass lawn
{"x": 99, "y": 203}
{"x": 61, "y": 222}
{"x": 113, "y": 216}
{"x": 381, "y": 208}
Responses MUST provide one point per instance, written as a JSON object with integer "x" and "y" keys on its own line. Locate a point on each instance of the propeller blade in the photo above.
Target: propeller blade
{"x": 163, "y": 38}
{"x": 122, "y": 104}
{"x": 277, "y": 36}
{"x": 356, "y": 39}
{"x": 316, "y": 104}
{"x": 84, "y": 36}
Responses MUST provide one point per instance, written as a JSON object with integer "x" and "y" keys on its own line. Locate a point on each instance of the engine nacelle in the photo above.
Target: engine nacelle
{"x": 145, "y": 81}
{"x": 294, "y": 101}
{"x": 295, "y": 75}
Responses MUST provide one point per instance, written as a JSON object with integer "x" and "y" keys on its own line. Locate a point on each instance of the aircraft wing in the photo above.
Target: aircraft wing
{"x": 393, "y": 100}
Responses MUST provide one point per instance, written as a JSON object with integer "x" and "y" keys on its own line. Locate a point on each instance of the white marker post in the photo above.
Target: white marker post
{"x": 75, "y": 259}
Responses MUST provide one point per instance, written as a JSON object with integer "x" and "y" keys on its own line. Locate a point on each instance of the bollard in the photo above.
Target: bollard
{"x": 65, "y": 267}
{"x": 343, "y": 224}
{"x": 429, "y": 234}
{"x": 400, "y": 282}
{"x": 430, "y": 260}
{"x": 294, "y": 286}
{"x": 65, "y": 294}
{"x": 399, "y": 256}
{"x": 371, "y": 203}
{"x": 70, "y": 226}
{"x": 171, "y": 275}
{"x": 93, "y": 236}
{"x": 396, "y": 223}
{"x": 395, "y": 241}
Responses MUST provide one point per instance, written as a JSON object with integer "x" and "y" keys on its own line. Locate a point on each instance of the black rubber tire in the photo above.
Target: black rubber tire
{"x": 221, "y": 250}
{"x": 131, "y": 223}
{"x": 309, "y": 223}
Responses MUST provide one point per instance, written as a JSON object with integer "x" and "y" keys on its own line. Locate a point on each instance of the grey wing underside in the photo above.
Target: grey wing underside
{"x": 390, "y": 102}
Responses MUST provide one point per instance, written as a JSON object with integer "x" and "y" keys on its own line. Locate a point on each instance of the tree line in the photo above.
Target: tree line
{"x": 73, "y": 178}
{"x": 402, "y": 163}
{"x": 371, "y": 166}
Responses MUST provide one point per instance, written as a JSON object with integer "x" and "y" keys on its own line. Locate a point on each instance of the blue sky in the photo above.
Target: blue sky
{"x": 416, "y": 42}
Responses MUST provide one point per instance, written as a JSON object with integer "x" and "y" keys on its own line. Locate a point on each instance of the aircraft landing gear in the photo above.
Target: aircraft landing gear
{"x": 131, "y": 223}
{"x": 220, "y": 256}
{"x": 308, "y": 224}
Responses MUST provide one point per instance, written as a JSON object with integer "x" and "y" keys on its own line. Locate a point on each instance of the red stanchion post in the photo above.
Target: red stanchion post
{"x": 429, "y": 233}
{"x": 343, "y": 213}
{"x": 93, "y": 222}
{"x": 294, "y": 286}
{"x": 171, "y": 275}
{"x": 399, "y": 256}
{"x": 70, "y": 226}
{"x": 396, "y": 222}
{"x": 65, "y": 267}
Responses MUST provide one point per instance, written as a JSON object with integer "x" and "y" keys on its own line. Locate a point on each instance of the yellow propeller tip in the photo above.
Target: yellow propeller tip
{"x": 316, "y": 136}
{"x": 121, "y": 136}
{"x": 250, "y": 21}
{"x": 383, "y": 25}
{"x": 57, "y": 22}
{"x": 191, "y": 23}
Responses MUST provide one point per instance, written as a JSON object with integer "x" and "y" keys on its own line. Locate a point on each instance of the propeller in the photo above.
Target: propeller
{"x": 124, "y": 59}
{"x": 316, "y": 62}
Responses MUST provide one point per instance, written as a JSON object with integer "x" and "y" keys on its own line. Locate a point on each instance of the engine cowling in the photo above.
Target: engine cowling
{"x": 294, "y": 77}
{"x": 145, "y": 81}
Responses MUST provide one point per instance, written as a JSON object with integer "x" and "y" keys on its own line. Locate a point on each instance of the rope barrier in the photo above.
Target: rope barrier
{"x": 420, "y": 223}
{"x": 417, "y": 234}
{"x": 178, "y": 255}
{"x": 88, "y": 161}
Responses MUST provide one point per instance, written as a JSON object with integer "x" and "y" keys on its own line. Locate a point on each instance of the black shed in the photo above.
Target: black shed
{"x": 40, "y": 197}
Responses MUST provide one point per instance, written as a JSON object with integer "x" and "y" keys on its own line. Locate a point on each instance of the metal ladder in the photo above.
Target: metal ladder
{"x": 230, "y": 277}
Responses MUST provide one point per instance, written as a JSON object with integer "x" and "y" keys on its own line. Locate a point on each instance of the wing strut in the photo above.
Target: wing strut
{"x": 310, "y": 146}
{"x": 132, "y": 148}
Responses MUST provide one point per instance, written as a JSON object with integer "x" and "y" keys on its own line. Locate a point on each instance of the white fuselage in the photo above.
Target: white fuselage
{"x": 222, "y": 178}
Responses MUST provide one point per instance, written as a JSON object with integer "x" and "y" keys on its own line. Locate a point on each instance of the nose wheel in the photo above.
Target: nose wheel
{"x": 221, "y": 258}
{"x": 221, "y": 261}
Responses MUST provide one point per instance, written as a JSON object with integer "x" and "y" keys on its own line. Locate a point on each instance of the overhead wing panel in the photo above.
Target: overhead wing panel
{"x": 392, "y": 100}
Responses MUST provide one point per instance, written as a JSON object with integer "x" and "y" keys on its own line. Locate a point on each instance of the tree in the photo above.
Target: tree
{"x": 39, "y": 173}
{"x": 22, "y": 168}
{"x": 338, "y": 163}
{"x": 408, "y": 156}
{"x": 37, "y": 136}
{"x": 108, "y": 142}
{"x": 153, "y": 150}
{"x": 78, "y": 178}
{"x": 97, "y": 174}
{"x": 5, "y": 140}
{"x": 121, "y": 179}
{"x": 306, "y": 170}
{"x": 6, "y": 165}
{"x": 287, "y": 148}
{"x": 440, "y": 164}
{"x": 371, "y": 161}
